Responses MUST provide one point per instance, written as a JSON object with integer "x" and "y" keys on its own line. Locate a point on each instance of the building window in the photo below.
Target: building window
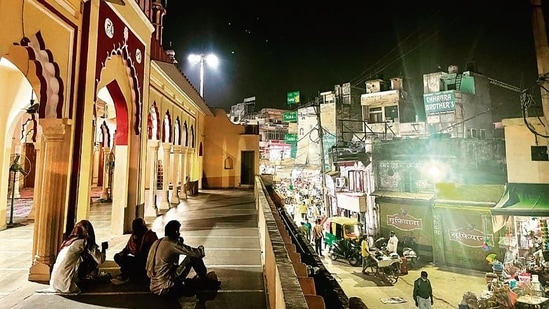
{"x": 357, "y": 181}
{"x": 391, "y": 113}
{"x": 375, "y": 115}
{"x": 473, "y": 133}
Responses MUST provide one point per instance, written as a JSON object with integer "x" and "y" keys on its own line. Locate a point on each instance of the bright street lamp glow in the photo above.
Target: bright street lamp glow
{"x": 210, "y": 59}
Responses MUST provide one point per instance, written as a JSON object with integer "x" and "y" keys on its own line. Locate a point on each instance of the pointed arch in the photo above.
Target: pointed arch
{"x": 192, "y": 137}
{"x": 106, "y": 135}
{"x": 122, "y": 126}
{"x": 186, "y": 134}
{"x": 29, "y": 129}
{"x": 166, "y": 128}
{"x": 153, "y": 123}
{"x": 177, "y": 132}
{"x": 47, "y": 73}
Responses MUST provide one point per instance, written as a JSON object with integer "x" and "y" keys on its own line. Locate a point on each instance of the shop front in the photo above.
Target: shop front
{"x": 462, "y": 225}
{"x": 522, "y": 216}
{"x": 409, "y": 215}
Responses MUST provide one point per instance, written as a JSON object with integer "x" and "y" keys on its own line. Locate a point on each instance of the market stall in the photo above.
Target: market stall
{"x": 520, "y": 273}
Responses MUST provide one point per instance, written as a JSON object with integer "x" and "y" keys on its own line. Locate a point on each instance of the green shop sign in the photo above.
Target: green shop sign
{"x": 439, "y": 102}
{"x": 289, "y": 117}
{"x": 293, "y": 151}
{"x": 292, "y": 97}
{"x": 290, "y": 138}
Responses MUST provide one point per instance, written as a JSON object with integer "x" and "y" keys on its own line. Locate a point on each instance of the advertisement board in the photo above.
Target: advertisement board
{"x": 290, "y": 138}
{"x": 438, "y": 102}
{"x": 292, "y": 97}
{"x": 289, "y": 117}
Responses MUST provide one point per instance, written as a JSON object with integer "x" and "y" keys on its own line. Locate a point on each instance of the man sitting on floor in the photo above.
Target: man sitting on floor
{"x": 166, "y": 274}
{"x": 133, "y": 257}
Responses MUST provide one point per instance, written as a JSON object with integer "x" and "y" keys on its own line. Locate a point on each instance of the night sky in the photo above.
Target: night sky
{"x": 269, "y": 49}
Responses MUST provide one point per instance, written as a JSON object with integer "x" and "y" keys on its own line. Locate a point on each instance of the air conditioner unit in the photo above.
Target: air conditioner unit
{"x": 340, "y": 182}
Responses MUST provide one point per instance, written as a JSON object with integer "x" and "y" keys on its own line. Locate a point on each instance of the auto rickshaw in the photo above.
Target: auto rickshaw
{"x": 337, "y": 228}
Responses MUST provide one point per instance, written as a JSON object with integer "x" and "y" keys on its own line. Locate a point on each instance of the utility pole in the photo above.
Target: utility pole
{"x": 542, "y": 54}
{"x": 327, "y": 204}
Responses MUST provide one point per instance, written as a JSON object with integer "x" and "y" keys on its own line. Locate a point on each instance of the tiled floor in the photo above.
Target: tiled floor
{"x": 224, "y": 221}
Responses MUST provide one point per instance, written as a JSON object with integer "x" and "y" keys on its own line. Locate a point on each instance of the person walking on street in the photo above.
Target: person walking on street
{"x": 318, "y": 236}
{"x": 423, "y": 292}
{"x": 392, "y": 243}
{"x": 303, "y": 210}
{"x": 309, "y": 229}
{"x": 365, "y": 252}
{"x": 305, "y": 230}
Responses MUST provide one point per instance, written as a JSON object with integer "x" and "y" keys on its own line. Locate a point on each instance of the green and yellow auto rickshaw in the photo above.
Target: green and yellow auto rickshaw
{"x": 337, "y": 228}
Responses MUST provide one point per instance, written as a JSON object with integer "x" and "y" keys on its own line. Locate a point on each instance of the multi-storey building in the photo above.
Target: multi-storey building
{"x": 458, "y": 103}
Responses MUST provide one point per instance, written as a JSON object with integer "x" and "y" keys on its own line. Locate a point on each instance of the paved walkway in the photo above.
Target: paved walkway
{"x": 224, "y": 221}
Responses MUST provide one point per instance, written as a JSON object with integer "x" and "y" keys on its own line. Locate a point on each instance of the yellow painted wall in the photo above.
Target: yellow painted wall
{"x": 518, "y": 140}
{"x": 223, "y": 140}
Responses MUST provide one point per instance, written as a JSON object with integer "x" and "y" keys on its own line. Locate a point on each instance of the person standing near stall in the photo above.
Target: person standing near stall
{"x": 392, "y": 243}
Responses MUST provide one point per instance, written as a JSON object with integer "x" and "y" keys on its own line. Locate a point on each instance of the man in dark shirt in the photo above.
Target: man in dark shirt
{"x": 133, "y": 257}
{"x": 423, "y": 292}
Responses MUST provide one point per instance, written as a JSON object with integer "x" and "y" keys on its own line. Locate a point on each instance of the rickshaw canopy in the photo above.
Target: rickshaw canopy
{"x": 337, "y": 228}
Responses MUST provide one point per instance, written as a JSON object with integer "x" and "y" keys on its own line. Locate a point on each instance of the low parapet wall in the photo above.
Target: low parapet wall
{"x": 281, "y": 283}
{"x": 286, "y": 257}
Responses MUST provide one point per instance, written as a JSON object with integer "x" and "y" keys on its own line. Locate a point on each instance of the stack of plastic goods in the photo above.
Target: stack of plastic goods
{"x": 544, "y": 234}
{"x": 536, "y": 286}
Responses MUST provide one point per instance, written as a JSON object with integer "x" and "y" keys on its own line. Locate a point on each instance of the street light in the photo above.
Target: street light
{"x": 210, "y": 59}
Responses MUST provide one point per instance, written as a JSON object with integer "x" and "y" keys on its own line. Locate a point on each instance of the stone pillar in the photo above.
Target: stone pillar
{"x": 176, "y": 171}
{"x": 182, "y": 173}
{"x": 165, "y": 203}
{"x": 152, "y": 165}
{"x": 37, "y": 183}
{"x": 119, "y": 189}
{"x": 106, "y": 175}
{"x": 49, "y": 222}
{"x": 184, "y": 163}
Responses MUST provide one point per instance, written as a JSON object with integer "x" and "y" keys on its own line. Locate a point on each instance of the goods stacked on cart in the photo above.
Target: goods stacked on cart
{"x": 500, "y": 297}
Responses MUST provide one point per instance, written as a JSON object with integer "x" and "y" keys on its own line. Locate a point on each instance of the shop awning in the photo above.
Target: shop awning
{"x": 524, "y": 199}
{"x": 396, "y": 195}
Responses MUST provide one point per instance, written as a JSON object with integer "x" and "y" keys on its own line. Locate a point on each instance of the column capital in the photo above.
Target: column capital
{"x": 167, "y": 146}
{"x": 177, "y": 148}
{"x": 153, "y": 143}
{"x": 54, "y": 129}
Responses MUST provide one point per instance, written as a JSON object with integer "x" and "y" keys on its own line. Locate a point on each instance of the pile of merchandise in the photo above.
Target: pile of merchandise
{"x": 500, "y": 297}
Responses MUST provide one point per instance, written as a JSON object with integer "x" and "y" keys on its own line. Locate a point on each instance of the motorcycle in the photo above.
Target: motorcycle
{"x": 385, "y": 266}
{"x": 408, "y": 250}
{"x": 347, "y": 249}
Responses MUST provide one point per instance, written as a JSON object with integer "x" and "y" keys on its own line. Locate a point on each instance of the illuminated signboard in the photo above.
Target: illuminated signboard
{"x": 439, "y": 102}
{"x": 290, "y": 138}
{"x": 292, "y": 97}
{"x": 289, "y": 117}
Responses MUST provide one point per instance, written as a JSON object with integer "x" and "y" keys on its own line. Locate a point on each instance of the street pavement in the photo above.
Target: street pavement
{"x": 449, "y": 284}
